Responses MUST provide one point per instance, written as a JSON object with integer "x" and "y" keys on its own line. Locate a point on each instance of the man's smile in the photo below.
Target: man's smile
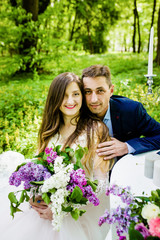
{"x": 95, "y": 105}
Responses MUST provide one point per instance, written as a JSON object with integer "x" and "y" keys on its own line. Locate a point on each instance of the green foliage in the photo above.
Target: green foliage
{"x": 22, "y": 99}
{"x": 20, "y": 117}
{"x": 15, "y": 203}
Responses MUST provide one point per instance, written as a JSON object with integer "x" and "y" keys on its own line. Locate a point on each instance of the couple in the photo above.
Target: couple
{"x": 67, "y": 121}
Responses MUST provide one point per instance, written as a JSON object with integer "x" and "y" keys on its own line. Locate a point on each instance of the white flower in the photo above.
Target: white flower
{"x": 150, "y": 211}
{"x": 58, "y": 180}
{"x": 58, "y": 164}
{"x": 58, "y": 198}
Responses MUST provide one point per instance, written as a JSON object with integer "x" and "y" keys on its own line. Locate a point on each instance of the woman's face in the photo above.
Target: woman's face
{"x": 72, "y": 101}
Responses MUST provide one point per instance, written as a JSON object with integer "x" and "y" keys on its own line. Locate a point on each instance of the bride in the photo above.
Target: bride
{"x": 66, "y": 122}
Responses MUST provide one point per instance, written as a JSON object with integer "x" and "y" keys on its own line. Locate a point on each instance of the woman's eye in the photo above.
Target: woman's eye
{"x": 76, "y": 94}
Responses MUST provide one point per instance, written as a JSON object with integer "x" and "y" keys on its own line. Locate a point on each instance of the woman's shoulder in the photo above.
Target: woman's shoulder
{"x": 81, "y": 140}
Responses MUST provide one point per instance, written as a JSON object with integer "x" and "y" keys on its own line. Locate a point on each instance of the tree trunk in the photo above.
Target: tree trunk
{"x": 31, "y": 6}
{"x": 89, "y": 37}
{"x": 74, "y": 22}
{"x": 139, "y": 34}
{"x": 157, "y": 59}
{"x": 152, "y": 20}
{"x": 134, "y": 27}
{"x": 28, "y": 41}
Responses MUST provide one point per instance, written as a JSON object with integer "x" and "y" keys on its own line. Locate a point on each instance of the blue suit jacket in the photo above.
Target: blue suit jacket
{"x": 130, "y": 122}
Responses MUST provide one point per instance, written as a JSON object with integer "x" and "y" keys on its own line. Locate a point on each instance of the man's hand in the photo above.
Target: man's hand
{"x": 41, "y": 208}
{"x": 112, "y": 149}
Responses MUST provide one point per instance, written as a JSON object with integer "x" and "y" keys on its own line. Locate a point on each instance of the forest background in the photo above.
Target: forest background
{"x": 40, "y": 39}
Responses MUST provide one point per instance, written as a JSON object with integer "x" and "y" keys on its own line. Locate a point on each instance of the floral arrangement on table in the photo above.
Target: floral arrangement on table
{"x": 139, "y": 218}
{"x": 61, "y": 184}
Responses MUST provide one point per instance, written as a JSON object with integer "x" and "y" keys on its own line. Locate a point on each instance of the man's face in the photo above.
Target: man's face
{"x": 97, "y": 93}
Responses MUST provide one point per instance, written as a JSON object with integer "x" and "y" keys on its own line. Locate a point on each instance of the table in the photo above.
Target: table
{"x": 129, "y": 171}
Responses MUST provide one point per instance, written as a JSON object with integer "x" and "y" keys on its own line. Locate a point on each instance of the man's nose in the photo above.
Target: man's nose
{"x": 94, "y": 97}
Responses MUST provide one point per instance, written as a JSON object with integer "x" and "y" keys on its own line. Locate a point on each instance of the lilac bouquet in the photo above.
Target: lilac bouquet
{"x": 61, "y": 184}
{"x": 140, "y": 218}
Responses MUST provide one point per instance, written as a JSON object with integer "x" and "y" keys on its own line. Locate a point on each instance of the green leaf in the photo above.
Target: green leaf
{"x": 67, "y": 209}
{"x": 57, "y": 149}
{"x": 82, "y": 211}
{"x": 22, "y": 197}
{"x": 37, "y": 183}
{"x": 18, "y": 167}
{"x": 83, "y": 200}
{"x": 152, "y": 238}
{"x": 13, "y": 210}
{"x": 76, "y": 194}
{"x": 12, "y": 198}
{"x": 27, "y": 197}
{"x": 46, "y": 198}
{"x": 92, "y": 184}
{"x": 45, "y": 156}
{"x": 75, "y": 214}
{"x": 135, "y": 235}
{"x": 146, "y": 199}
{"x": 68, "y": 149}
{"x": 53, "y": 190}
{"x": 65, "y": 155}
{"x": 79, "y": 153}
{"x": 40, "y": 155}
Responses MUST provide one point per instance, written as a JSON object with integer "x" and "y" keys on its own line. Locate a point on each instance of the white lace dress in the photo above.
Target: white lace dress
{"x": 27, "y": 225}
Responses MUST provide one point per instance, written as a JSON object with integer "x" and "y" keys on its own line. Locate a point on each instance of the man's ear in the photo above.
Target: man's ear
{"x": 111, "y": 90}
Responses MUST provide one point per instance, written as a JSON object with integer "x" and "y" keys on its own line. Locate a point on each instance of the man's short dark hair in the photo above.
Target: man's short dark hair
{"x": 98, "y": 71}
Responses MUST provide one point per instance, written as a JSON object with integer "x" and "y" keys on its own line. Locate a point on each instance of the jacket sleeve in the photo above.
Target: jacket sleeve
{"x": 149, "y": 129}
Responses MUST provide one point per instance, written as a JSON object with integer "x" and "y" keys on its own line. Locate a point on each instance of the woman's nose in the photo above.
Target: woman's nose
{"x": 70, "y": 100}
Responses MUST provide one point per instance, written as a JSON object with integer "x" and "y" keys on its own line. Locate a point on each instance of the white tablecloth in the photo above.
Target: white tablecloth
{"x": 129, "y": 171}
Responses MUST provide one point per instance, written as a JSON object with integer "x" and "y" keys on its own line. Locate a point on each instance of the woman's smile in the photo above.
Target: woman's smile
{"x": 70, "y": 107}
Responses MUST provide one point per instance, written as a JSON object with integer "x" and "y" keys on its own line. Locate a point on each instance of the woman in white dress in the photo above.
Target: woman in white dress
{"x": 66, "y": 122}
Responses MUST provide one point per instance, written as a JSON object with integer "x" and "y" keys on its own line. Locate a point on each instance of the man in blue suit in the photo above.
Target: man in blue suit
{"x": 132, "y": 129}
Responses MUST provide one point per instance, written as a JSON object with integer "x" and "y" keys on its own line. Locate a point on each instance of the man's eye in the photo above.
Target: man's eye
{"x": 87, "y": 92}
{"x": 101, "y": 91}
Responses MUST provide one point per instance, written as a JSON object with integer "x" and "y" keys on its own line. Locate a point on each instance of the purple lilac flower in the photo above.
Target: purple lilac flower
{"x": 121, "y": 216}
{"x": 52, "y": 155}
{"x": 142, "y": 229}
{"x": 90, "y": 195}
{"x": 122, "y": 238}
{"x": 123, "y": 193}
{"x": 48, "y": 150}
{"x": 27, "y": 173}
{"x": 77, "y": 178}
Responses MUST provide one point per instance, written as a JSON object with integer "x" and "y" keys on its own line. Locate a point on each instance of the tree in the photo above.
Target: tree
{"x": 135, "y": 25}
{"x": 28, "y": 25}
{"x": 90, "y": 20}
{"x": 152, "y": 19}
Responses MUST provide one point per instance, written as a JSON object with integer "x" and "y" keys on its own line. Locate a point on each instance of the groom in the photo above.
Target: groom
{"x": 126, "y": 119}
